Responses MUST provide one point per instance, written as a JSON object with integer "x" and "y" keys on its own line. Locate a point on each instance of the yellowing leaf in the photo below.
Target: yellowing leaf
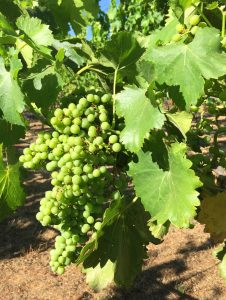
{"x": 213, "y": 215}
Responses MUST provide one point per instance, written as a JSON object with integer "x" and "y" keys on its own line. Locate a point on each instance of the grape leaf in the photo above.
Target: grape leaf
{"x": 99, "y": 277}
{"x": 39, "y": 33}
{"x": 212, "y": 214}
{"x": 11, "y": 98}
{"x": 70, "y": 52}
{"x": 140, "y": 117}
{"x": 9, "y": 133}
{"x": 11, "y": 193}
{"x": 182, "y": 120}
{"x": 124, "y": 231}
{"x": 167, "y": 195}
{"x": 122, "y": 50}
{"x": 187, "y": 65}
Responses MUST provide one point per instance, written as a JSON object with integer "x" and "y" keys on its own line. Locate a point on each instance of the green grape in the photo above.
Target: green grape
{"x": 113, "y": 139}
{"x": 194, "y": 20}
{"x": 90, "y": 220}
{"x": 85, "y": 228}
{"x": 194, "y": 30}
{"x": 75, "y": 129}
{"x": 96, "y": 173}
{"x": 176, "y": 37}
{"x": 116, "y": 147}
{"x": 98, "y": 225}
{"x": 103, "y": 117}
{"x": 106, "y": 98}
{"x": 90, "y": 98}
{"x": 105, "y": 126}
{"x": 60, "y": 270}
{"x": 180, "y": 28}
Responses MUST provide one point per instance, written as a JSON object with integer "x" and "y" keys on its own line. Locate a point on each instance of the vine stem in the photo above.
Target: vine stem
{"x": 203, "y": 16}
{"x": 87, "y": 67}
{"x": 114, "y": 94}
{"x": 223, "y": 23}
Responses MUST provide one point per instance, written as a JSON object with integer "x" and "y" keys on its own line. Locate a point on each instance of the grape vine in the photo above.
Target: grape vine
{"x": 134, "y": 119}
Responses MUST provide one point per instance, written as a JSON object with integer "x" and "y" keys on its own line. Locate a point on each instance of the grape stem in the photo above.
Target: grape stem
{"x": 223, "y": 22}
{"x": 114, "y": 94}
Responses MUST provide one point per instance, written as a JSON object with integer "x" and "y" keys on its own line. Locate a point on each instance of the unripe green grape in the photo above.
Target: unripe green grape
{"x": 67, "y": 261}
{"x": 96, "y": 99}
{"x": 85, "y": 123}
{"x": 96, "y": 173}
{"x": 60, "y": 270}
{"x": 92, "y": 132}
{"x": 51, "y": 166}
{"x": 22, "y": 159}
{"x": 98, "y": 225}
{"x": 60, "y": 239}
{"x": 55, "y": 134}
{"x": 106, "y": 98}
{"x": 83, "y": 102}
{"x": 85, "y": 228}
{"x": 98, "y": 140}
{"x": 27, "y": 151}
{"x": 44, "y": 155}
{"x": 66, "y": 121}
{"x": 77, "y": 121}
{"x": 180, "y": 28}
{"x": 67, "y": 179}
{"x": 54, "y": 121}
{"x": 67, "y": 130}
{"x": 39, "y": 216}
{"x": 116, "y": 147}
{"x": 70, "y": 248}
{"x": 90, "y": 98}
{"x": 86, "y": 214}
{"x": 176, "y": 37}
{"x": 47, "y": 136}
{"x": 103, "y": 169}
{"x": 90, "y": 220}
{"x": 57, "y": 151}
{"x": 46, "y": 220}
{"x": 194, "y": 30}
{"x": 103, "y": 117}
{"x": 113, "y": 139}
{"x": 71, "y": 107}
{"x": 87, "y": 168}
{"x": 54, "y": 210}
{"x": 105, "y": 126}
{"x": 76, "y": 179}
{"x": 194, "y": 108}
{"x": 77, "y": 170}
{"x": 75, "y": 129}
{"x": 194, "y": 20}
{"x": 67, "y": 112}
{"x": 92, "y": 148}
{"x": 89, "y": 207}
{"x": 61, "y": 260}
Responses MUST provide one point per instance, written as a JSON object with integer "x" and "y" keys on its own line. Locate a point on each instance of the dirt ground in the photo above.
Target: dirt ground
{"x": 182, "y": 267}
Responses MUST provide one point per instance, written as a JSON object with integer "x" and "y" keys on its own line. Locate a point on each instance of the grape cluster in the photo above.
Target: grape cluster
{"x": 193, "y": 27}
{"x": 81, "y": 154}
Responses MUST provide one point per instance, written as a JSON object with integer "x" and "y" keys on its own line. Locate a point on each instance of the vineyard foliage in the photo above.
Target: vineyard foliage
{"x": 134, "y": 118}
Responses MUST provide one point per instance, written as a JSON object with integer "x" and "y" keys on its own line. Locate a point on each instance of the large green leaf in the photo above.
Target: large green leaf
{"x": 167, "y": 195}
{"x": 140, "y": 117}
{"x": 11, "y": 98}
{"x": 187, "y": 65}
{"x": 122, "y": 50}
{"x": 11, "y": 193}
{"x": 39, "y": 33}
{"x": 122, "y": 240}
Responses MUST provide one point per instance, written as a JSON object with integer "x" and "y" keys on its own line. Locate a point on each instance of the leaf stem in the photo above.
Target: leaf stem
{"x": 203, "y": 16}
{"x": 87, "y": 67}
{"x": 113, "y": 96}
